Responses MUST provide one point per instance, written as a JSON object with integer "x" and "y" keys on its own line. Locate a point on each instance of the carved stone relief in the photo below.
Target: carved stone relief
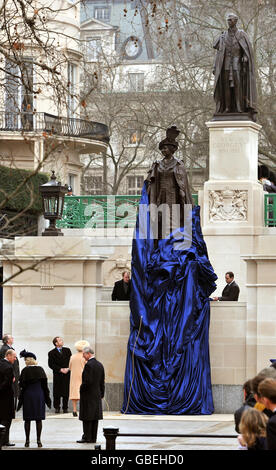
{"x": 228, "y": 205}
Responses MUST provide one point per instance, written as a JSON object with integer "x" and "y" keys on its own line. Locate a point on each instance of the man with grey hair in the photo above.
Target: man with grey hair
{"x": 8, "y": 344}
{"x": 91, "y": 394}
{"x": 7, "y": 411}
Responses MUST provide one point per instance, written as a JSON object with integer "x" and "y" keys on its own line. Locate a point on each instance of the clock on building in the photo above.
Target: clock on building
{"x": 132, "y": 48}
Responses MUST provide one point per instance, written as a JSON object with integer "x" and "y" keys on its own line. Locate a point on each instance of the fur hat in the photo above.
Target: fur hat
{"x": 79, "y": 345}
{"x": 25, "y": 354}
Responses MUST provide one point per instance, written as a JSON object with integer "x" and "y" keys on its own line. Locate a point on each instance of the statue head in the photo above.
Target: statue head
{"x": 169, "y": 141}
{"x": 232, "y": 20}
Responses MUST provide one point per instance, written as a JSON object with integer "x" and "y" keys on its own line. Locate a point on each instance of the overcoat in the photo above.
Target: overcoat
{"x": 76, "y": 365}
{"x": 7, "y": 411}
{"x": 16, "y": 368}
{"x": 56, "y": 361}
{"x": 180, "y": 177}
{"x": 249, "y": 84}
{"x": 92, "y": 391}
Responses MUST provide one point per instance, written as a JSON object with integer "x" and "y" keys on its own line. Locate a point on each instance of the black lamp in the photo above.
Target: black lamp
{"x": 53, "y": 200}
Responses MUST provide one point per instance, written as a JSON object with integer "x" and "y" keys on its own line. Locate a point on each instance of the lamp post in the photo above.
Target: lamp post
{"x": 53, "y": 199}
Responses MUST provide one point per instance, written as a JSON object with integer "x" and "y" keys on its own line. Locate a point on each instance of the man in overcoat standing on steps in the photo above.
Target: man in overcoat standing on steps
{"x": 58, "y": 361}
{"x": 91, "y": 394}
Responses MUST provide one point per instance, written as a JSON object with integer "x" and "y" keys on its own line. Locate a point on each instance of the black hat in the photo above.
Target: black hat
{"x": 171, "y": 134}
{"x": 69, "y": 189}
{"x": 25, "y": 354}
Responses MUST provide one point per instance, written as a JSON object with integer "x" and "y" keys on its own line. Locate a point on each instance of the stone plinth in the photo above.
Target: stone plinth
{"x": 233, "y": 150}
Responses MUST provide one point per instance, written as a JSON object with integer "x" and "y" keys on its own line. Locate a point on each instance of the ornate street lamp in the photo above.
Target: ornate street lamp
{"x": 53, "y": 199}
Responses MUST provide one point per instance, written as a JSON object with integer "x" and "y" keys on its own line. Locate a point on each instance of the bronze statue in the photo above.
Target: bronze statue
{"x": 168, "y": 183}
{"x": 235, "y": 81}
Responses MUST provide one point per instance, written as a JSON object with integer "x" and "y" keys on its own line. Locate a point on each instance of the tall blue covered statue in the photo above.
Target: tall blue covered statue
{"x": 167, "y": 366}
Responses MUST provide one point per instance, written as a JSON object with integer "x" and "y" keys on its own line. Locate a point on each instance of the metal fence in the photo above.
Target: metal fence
{"x": 101, "y": 211}
{"x": 270, "y": 210}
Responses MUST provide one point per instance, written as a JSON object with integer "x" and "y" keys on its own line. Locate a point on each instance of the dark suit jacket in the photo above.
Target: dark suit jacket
{"x": 230, "y": 292}
{"x": 271, "y": 432}
{"x": 92, "y": 391}
{"x": 6, "y": 391}
{"x": 57, "y": 361}
{"x": 119, "y": 293}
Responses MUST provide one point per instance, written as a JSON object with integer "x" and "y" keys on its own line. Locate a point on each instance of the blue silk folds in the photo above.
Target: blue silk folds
{"x": 167, "y": 366}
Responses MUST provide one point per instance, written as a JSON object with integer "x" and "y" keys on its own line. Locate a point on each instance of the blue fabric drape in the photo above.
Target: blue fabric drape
{"x": 167, "y": 366}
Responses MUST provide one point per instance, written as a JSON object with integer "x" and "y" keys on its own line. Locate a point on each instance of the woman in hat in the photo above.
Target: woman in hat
{"x": 34, "y": 393}
{"x": 76, "y": 365}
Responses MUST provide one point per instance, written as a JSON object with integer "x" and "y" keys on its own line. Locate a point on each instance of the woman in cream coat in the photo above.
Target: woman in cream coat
{"x": 76, "y": 365}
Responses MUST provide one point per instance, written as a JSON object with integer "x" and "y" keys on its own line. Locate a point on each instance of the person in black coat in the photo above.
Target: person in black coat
{"x": 267, "y": 392}
{"x": 122, "y": 288}
{"x": 34, "y": 393}
{"x": 7, "y": 411}
{"x": 231, "y": 291}
{"x": 8, "y": 344}
{"x": 91, "y": 394}
{"x": 58, "y": 361}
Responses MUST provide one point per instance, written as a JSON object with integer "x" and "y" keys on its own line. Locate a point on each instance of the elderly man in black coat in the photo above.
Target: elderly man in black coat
{"x": 91, "y": 394}
{"x": 7, "y": 412}
{"x": 58, "y": 361}
{"x": 8, "y": 344}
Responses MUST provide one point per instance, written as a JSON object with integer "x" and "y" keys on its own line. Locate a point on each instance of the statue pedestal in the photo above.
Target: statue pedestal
{"x": 233, "y": 198}
{"x": 233, "y": 201}
{"x": 233, "y": 150}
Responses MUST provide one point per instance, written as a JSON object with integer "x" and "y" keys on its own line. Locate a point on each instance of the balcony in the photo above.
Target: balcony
{"x": 51, "y": 125}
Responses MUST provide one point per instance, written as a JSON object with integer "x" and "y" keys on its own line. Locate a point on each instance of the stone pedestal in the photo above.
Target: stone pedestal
{"x": 233, "y": 201}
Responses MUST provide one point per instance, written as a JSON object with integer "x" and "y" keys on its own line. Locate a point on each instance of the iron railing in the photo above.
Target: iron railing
{"x": 101, "y": 211}
{"x": 53, "y": 125}
{"x": 270, "y": 210}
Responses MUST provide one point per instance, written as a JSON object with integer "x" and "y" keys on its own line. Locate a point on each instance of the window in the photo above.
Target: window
{"x": 19, "y": 94}
{"x": 93, "y": 49}
{"x": 72, "y": 80}
{"x": 134, "y": 137}
{"x": 102, "y": 13}
{"x": 135, "y": 184}
{"x": 94, "y": 184}
{"x": 136, "y": 82}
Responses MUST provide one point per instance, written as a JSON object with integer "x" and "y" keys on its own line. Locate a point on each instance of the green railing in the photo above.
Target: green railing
{"x": 106, "y": 211}
{"x": 270, "y": 210}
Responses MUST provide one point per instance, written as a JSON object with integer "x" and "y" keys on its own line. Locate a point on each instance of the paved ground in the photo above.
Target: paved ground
{"x": 62, "y": 431}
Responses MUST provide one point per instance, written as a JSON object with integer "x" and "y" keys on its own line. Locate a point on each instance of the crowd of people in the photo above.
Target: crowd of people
{"x": 77, "y": 377}
{"x": 255, "y": 420}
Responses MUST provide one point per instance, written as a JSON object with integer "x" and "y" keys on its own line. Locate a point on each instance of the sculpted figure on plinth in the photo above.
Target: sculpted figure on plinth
{"x": 235, "y": 81}
{"x": 167, "y": 184}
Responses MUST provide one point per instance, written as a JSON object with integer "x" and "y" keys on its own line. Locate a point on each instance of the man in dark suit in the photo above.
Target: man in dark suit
{"x": 58, "y": 361}
{"x": 122, "y": 288}
{"x": 8, "y": 344}
{"x": 231, "y": 291}
{"x": 7, "y": 411}
{"x": 267, "y": 392}
{"x": 91, "y": 394}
